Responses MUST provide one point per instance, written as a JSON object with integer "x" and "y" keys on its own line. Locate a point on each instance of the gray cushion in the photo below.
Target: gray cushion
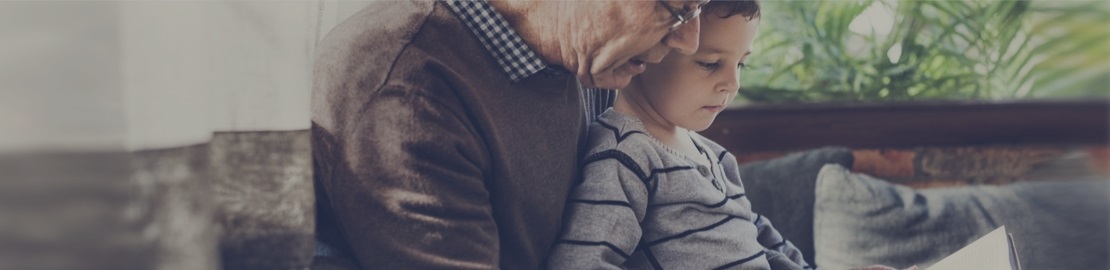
{"x": 860, "y": 220}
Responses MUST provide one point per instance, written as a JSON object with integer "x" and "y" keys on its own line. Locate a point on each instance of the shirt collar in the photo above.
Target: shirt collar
{"x": 515, "y": 57}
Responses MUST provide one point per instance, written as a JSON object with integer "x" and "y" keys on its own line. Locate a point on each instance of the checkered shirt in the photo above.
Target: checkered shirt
{"x": 515, "y": 57}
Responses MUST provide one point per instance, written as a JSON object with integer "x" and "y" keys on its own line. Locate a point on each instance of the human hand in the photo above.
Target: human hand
{"x": 883, "y": 267}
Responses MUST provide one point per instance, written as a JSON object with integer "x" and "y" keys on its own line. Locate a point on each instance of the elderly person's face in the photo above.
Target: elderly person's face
{"x": 618, "y": 38}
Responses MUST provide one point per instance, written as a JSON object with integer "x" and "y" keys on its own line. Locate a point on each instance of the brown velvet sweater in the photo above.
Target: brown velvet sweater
{"x": 427, "y": 156}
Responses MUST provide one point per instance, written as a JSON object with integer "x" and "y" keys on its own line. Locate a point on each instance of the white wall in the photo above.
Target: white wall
{"x": 167, "y": 70}
{"x": 192, "y": 68}
{"x": 60, "y": 76}
{"x": 155, "y": 74}
{"x": 102, "y": 76}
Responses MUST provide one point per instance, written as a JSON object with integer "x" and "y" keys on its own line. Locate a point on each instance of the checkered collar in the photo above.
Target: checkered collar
{"x": 515, "y": 57}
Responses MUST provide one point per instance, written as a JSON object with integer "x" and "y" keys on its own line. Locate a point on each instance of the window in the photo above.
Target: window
{"x": 888, "y": 50}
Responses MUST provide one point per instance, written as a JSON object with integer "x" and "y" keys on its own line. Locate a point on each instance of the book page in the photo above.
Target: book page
{"x": 990, "y": 252}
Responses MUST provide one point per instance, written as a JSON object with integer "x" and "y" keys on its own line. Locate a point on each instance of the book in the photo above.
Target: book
{"x": 993, "y": 251}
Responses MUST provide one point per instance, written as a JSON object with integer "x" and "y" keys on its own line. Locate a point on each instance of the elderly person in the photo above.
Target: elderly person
{"x": 447, "y": 134}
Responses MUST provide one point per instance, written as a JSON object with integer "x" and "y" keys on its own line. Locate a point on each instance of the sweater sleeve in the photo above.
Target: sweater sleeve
{"x": 778, "y": 246}
{"x": 782, "y": 254}
{"x": 408, "y": 190}
{"x": 602, "y": 225}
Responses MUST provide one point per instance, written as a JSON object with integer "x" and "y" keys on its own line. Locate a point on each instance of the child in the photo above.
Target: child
{"x": 656, "y": 195}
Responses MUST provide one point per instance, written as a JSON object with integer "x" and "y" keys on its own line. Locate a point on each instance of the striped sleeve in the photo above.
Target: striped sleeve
{"x": 781, "y": 253}
{"x": 770, "y": 239}
{"x": 602, "y": 225}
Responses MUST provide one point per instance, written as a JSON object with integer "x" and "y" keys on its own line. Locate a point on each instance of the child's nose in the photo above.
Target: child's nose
{"x": 729, "y": 83}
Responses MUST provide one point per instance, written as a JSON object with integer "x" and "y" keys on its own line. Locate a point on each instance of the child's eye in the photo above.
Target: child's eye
{"x": 742, "y": 66}
{"x": 709, "y": 66}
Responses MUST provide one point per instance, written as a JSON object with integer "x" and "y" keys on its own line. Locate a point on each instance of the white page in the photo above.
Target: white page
{"x": 991, "y": 252}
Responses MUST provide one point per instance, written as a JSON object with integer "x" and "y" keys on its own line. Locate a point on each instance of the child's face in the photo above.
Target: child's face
{"x": 690, "y": 90}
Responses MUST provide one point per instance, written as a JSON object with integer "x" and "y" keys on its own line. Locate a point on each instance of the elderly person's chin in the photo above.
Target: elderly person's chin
{"x": 613, "y": 79}
{"x": 607, "y": 82}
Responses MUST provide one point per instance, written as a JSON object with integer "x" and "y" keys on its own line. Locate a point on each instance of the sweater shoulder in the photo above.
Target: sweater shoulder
{"x": 380, "y": 29}
{"x": 613, "y": 134}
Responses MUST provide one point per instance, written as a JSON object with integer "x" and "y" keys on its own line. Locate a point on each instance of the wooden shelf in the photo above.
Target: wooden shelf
{"x": 892, "y": 125}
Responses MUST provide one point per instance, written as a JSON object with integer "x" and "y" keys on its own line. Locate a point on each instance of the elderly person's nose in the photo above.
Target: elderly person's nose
{"x": 684, "y": 39}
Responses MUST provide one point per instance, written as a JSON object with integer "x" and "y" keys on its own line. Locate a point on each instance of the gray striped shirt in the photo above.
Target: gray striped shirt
{"x": 642, "y": 205}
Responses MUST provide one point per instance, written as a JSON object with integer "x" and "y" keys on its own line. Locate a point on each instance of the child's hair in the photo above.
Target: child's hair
{"x": 728, "y": 8}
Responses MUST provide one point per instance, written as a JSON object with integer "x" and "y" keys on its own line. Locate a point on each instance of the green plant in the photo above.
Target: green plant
{"x": 808, "y": 51}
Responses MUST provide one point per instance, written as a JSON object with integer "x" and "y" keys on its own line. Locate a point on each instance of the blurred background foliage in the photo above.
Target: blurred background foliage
{"x": 890, "y": 50}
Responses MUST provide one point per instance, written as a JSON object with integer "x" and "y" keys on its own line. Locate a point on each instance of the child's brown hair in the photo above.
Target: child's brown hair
{"x": 728, "y": 8}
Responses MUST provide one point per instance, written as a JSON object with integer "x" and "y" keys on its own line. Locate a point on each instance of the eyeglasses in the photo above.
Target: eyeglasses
{"x": 685, "y": 15}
